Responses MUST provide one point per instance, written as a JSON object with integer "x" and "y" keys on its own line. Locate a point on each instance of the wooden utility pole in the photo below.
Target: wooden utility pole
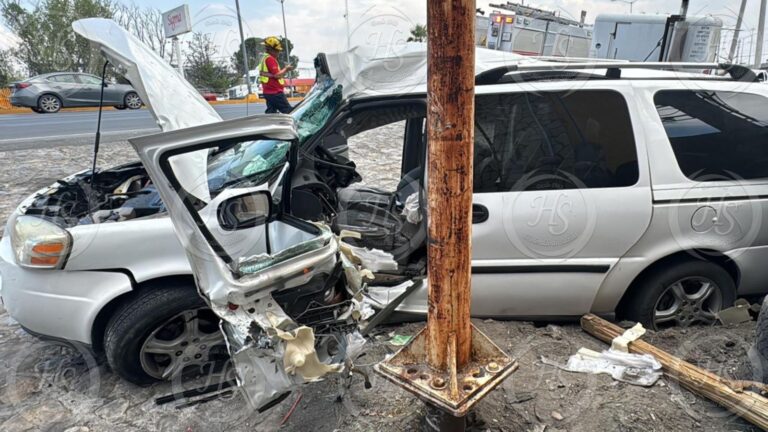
{"x": 450, "y": 130}
{"x": 450, "y": 364}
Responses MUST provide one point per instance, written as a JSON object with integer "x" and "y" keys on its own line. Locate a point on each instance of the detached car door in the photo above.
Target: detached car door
{"x": 561, "y": 192}
{"x": 252, "y": 261}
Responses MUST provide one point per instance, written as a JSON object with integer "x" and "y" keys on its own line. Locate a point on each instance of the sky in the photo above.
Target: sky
{"x": 319, "y": 25}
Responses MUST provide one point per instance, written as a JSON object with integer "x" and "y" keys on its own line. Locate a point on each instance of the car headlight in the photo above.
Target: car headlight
{"x": 39, "y": 243}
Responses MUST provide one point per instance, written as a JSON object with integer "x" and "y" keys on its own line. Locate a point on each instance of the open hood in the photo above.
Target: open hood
{"x": 172, "y": 100}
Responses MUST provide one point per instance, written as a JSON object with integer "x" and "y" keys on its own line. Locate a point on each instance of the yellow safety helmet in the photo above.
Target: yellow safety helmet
{"x": 273, "y": 42}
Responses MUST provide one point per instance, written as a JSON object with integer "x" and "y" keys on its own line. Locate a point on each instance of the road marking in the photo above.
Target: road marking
{"x": 80, "y": 135}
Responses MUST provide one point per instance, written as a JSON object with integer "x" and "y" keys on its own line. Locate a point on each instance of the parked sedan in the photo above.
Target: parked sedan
{"x": 48, "y": 93}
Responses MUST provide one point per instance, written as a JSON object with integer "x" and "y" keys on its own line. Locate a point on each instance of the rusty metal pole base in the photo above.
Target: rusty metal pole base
{"x": 454, "y": 391}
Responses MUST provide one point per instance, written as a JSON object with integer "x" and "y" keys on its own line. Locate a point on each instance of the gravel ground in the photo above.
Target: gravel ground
{"x": 48, "y": 387}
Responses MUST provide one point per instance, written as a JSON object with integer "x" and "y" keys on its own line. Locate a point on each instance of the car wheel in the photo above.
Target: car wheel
{"x": 163, "y": 333}
{"x": 683, "y": 294}
{"x": 49, "y": 104}
{"x": 120, "y": 107}
{"x": 132, "y": 101}
{"x": 37, "y": 110}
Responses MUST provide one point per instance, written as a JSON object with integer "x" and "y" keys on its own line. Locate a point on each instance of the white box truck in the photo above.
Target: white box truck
{"x": 656, "y": 38}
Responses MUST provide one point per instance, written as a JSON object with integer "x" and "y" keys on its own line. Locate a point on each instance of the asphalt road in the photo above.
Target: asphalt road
{"x": 25, "y": 131}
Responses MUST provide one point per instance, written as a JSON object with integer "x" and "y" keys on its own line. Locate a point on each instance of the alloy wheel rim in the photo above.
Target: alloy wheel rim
{"x": 688, "y": 301}
{"x": 188, "y": 341}
{"x": 133, "y": 101}
{"x": 49, "y": 103}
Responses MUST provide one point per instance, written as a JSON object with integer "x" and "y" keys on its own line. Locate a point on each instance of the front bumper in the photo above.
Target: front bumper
{"x": 58, "y": 304}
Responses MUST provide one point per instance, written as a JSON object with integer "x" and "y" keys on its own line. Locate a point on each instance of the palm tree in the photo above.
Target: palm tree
{"x": 418, "y": 33}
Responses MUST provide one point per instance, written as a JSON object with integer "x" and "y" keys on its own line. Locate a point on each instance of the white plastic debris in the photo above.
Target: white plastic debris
{"x": 641, "y": 370}
{"x": 621, "y": 343}
{"x": 411, "y": 209}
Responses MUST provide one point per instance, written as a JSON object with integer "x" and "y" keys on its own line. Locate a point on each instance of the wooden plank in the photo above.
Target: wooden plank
{"x": 746, "y": 404}
{"x": 450, "y": 126}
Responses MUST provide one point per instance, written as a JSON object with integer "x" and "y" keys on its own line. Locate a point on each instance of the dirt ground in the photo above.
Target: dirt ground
{"x": 47, "y": 387}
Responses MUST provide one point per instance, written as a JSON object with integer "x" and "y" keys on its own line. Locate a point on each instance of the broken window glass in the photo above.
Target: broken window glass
{"x": 319, "y": 105}
{"x": 250, "y": 162}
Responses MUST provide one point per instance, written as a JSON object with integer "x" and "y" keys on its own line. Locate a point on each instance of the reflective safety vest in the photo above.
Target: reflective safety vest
{"x": 263, "y": 68}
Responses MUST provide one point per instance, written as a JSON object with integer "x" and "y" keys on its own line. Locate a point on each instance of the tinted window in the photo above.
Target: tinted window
{"x": 716, "y": 135}
{"x": 63, "y": 79}
{"x": 553, "y": 140}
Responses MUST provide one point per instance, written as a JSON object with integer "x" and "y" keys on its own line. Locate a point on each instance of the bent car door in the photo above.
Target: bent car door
{"x": 273, "y": 279}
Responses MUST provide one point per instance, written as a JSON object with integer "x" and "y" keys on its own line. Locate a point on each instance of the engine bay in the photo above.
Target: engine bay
{"x": 117, "y": 194}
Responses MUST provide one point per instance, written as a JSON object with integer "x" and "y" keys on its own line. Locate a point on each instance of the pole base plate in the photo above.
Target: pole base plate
{"x": 454, "y": 391}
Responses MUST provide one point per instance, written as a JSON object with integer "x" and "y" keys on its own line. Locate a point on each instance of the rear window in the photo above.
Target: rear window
{"x": 716, "y": 135}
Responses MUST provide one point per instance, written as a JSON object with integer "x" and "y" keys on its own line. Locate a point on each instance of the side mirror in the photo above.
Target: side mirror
{"x": 245, "y": 211}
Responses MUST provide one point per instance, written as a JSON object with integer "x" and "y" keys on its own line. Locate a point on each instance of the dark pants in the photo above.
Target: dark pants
{"x": 277, "y": 103}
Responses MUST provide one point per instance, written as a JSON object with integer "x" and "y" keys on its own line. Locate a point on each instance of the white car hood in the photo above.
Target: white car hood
{"x": 172, "y": 100}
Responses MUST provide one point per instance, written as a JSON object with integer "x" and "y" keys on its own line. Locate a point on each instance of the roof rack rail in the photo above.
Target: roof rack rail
{"x": 613, "y": 69}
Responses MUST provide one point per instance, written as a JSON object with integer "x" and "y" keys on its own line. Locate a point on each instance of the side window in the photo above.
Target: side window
{"x": 553, "y": 140}
{"x": 90, "y": 80}
{"x": 716, "y": 135}
{"x": 68, "y": 79}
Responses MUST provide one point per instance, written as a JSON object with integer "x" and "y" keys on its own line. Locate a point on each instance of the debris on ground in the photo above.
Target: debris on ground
{"x": 732, "y": 395}
{"x": 737, "y": 314}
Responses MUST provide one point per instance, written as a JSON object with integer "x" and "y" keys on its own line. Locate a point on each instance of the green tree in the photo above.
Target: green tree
{"x": 418, "y": 33}
{"x": 47, "y": 41}
{"x": 201, "y": 68}
{"x": 255, "y": 51}
{"x": 7, "y": 73}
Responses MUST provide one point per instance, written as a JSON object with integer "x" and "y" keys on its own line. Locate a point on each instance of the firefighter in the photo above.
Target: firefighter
{"x": 271, "y": 77}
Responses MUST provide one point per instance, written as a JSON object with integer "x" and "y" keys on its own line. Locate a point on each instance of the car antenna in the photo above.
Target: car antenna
{"x": 97, "y": 141}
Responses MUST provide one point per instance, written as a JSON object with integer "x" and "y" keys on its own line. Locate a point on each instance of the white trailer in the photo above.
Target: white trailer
{"x": 535, "y": 32}
{"x": 656, "y": 38}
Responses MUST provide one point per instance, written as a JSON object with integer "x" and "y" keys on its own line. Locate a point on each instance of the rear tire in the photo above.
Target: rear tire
{"x": 37, "y": 110}
{"x": 132, "y": 101}
{"x": 154, "y": 310}
{"x": 681, "y": 294}
{"x": 120, "y": 107}
{"x": 49, "y": 104}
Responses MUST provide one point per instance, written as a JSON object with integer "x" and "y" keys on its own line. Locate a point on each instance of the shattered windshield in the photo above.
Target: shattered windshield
{"x": 246, "y": 163}
{"x": 321, "y": 102}
{"x": 255, "y": 162}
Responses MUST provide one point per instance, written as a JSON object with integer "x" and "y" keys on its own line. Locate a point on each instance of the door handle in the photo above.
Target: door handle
{"x": 479, "y": 213}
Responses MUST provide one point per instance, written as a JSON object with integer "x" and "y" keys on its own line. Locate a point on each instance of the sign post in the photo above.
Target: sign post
{"x": 177, "y": 21}
{"x": 450, "y": 364}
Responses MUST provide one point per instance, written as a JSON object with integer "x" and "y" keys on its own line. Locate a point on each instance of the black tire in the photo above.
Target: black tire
{"x": 132, "y": 101}
{"x": 49, "y": 104}
{"x": 136, "y": 320}
{"x": 641, "y": 304}
{"x": 37, "y": 110}
{"x": 120, "y": 107}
